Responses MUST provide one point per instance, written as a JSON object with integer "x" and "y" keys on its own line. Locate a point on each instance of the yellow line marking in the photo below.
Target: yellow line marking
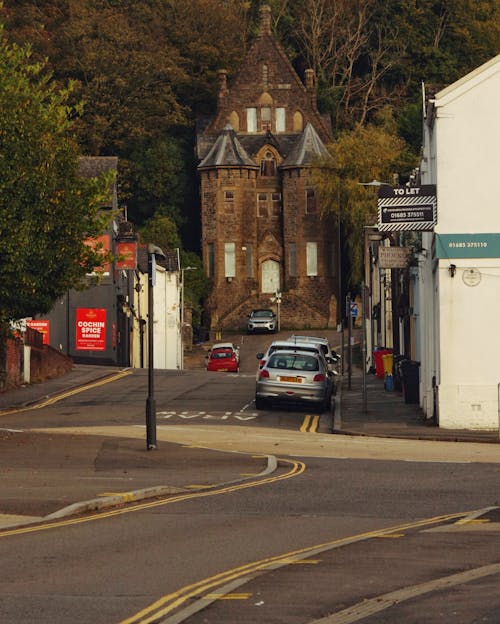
{"x": 297, "y": 468}
{"x": 68, "y": 393}
{"x": 242, "y": 596}
{"x": 174, "y": 600}
{"x": 392, "y": 535}
{"x": 310, "y": 424}
{"x": 248, "y": 474}
{"x": 305, "y": 424}
{"x": 314, "y": 426}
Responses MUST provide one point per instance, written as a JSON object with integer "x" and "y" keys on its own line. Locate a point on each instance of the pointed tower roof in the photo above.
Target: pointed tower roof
{"x": 308, "y": 148}
{"x": 227, "y": 151}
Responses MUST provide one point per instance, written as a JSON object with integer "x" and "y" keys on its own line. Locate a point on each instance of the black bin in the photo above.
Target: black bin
{"x": 410, "y": 376}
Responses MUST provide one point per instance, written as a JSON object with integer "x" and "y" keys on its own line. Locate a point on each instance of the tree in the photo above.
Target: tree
{"x": 364, "y": 154}
{"x": 47, "y": 211}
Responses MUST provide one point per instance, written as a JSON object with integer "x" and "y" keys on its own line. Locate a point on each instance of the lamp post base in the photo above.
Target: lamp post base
{"x": 151, "y": 424}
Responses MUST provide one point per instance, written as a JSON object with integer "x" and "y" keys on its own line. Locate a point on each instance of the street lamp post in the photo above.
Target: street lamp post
{"x": 153, "y": 252}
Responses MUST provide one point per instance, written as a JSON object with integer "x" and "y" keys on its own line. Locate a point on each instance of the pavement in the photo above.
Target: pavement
{"x": 58, "y": 473}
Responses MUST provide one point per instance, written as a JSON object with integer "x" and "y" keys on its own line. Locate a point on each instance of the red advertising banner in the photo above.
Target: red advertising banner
{"x": 127, "y": 255}
{"x": 41, "y": 326}
{"x": 90, "y": 329}
{"x": 104, "y": 241}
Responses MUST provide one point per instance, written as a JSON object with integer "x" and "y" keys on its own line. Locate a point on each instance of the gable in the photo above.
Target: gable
{"x": 267, "y": 95}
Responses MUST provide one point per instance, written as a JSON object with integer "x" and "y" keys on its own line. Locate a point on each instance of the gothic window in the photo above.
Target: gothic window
{"x": 332, "y": 269}
{"x": 229, "y": 201}
{"x": 275, "y": 204}
{"x": 251, "y": 120}
{"x": 262, "y": 205}
{"x": 312, "y": 258}
{"x": 249, "y": 259}
{"x": 265, "y": 75}
{"x": 298, "y": 122}
{"x": 268, "y": 166}
{"x": 210, "y": 260}
{"x": 234, "y": 120}
{"x": 280, "y": 120}
{"x": 311, "y": 201}
{"x": 265, "y": 118}
{"x": 230, "y": 259}
{"x": 292, "y": 260}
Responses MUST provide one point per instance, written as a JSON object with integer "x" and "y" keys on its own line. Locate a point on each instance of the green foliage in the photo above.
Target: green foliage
{"x": 47, "y": 210}
{"x": 160, "y": 230}
{"x": 372, "y": 152}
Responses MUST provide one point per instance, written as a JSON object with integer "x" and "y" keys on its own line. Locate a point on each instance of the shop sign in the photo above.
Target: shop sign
{"x": 126, "y": 253}
{"x": 42, "y": 326}
{"x": 468, "y": 245}
{"x": 393, "y": 257}
{"x": 91, "y": 329}
{"x": 407, "y": 208}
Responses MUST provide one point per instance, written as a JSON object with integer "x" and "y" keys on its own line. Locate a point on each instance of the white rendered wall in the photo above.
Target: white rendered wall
{"x": 467, "y": 143}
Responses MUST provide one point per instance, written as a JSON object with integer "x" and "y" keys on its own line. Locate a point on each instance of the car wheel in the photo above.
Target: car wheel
{"x": 260, "y": 404}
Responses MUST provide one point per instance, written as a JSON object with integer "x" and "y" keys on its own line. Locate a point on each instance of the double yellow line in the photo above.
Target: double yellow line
{"x": 310, "y": 424}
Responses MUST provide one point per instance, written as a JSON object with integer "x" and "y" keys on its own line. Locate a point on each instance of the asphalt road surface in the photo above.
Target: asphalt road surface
{"x": 324, "y": 539}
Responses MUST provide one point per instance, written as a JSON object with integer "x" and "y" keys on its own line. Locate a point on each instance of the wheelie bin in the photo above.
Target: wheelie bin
{"x": 379, "y": 364}
{"x": 387, "y": 361}
{"x": 411, "y": 379}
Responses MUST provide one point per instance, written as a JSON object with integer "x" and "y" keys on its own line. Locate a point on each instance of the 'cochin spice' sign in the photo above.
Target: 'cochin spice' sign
{"x": 91, "y": 329}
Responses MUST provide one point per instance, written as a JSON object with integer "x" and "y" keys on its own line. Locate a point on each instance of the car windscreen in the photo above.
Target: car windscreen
{"x": 295, "y": 361}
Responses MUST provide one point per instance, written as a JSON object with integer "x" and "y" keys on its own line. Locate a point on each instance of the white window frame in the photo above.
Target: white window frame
{"x": 312, "y": 259}
{"x": 280, "y": 119}
{"x": 230, "y": 259}
{"x": 251, "y": 120}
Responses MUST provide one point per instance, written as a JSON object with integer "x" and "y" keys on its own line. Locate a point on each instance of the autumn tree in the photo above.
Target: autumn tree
{"x": 371, "y": 152}
{"x": 47, "y": 211}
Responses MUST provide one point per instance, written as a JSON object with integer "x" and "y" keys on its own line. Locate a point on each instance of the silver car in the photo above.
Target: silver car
{"x": 294, "y": 376}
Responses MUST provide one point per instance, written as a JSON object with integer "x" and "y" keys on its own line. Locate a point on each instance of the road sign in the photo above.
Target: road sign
{"x": 407, "y": 208}
{"x": 354, "y": 309}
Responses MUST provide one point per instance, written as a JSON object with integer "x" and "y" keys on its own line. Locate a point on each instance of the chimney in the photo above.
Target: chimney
{"x": 309, "y": 79}
{"x": 265, "y": 20}
{"x": 222, "y": 76}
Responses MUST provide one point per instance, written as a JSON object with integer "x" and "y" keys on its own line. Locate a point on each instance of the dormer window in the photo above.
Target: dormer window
{"x": 265, "y": 118}
{"x": 268, "y": 166}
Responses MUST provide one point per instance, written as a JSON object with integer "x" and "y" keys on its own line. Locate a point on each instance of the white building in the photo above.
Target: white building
{"x": 167, "y": 338}
{"x": 457, "y": 299}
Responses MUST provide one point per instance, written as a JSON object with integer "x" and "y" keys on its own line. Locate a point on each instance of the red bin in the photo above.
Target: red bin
{"x": 379, "y": 362}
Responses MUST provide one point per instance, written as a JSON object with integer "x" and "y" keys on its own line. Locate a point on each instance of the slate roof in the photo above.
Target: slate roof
{"x": 94, "y": 166}
{"x": 227, "y": 151}
{"x": 308, "y": 148}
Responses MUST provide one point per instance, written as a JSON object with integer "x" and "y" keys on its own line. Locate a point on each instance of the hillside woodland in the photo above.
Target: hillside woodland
{"x": 143, "y": 72}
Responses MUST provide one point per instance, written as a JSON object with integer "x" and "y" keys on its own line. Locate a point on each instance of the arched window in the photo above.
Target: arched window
{"x": 268, "y": 165}
{"x": 234, "y": 120}
{"x": 298, "y": 122}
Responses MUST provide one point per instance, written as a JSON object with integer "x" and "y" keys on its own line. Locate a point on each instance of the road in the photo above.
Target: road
{"x": 325, "y": 539}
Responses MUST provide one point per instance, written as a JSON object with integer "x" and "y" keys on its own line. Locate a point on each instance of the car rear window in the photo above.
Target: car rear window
{"x": 221, "y": 353}
{"x": 301, "y": 362}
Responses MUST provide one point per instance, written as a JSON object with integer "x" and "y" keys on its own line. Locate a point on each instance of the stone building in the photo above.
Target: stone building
{"x": 263, "y": 231}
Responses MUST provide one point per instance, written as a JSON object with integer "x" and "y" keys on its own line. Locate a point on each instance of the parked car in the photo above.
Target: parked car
{"x": 287, "y": 345}
{"x": 261, "y": 320}
{"x": 331, "y": 356}
{"x": 223, "y": 357}
{"x": 228, "y": 345}
{"x": 294, "y": 376}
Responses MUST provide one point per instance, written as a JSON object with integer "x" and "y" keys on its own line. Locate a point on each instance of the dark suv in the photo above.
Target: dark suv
{"x": 261, "y": 320}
